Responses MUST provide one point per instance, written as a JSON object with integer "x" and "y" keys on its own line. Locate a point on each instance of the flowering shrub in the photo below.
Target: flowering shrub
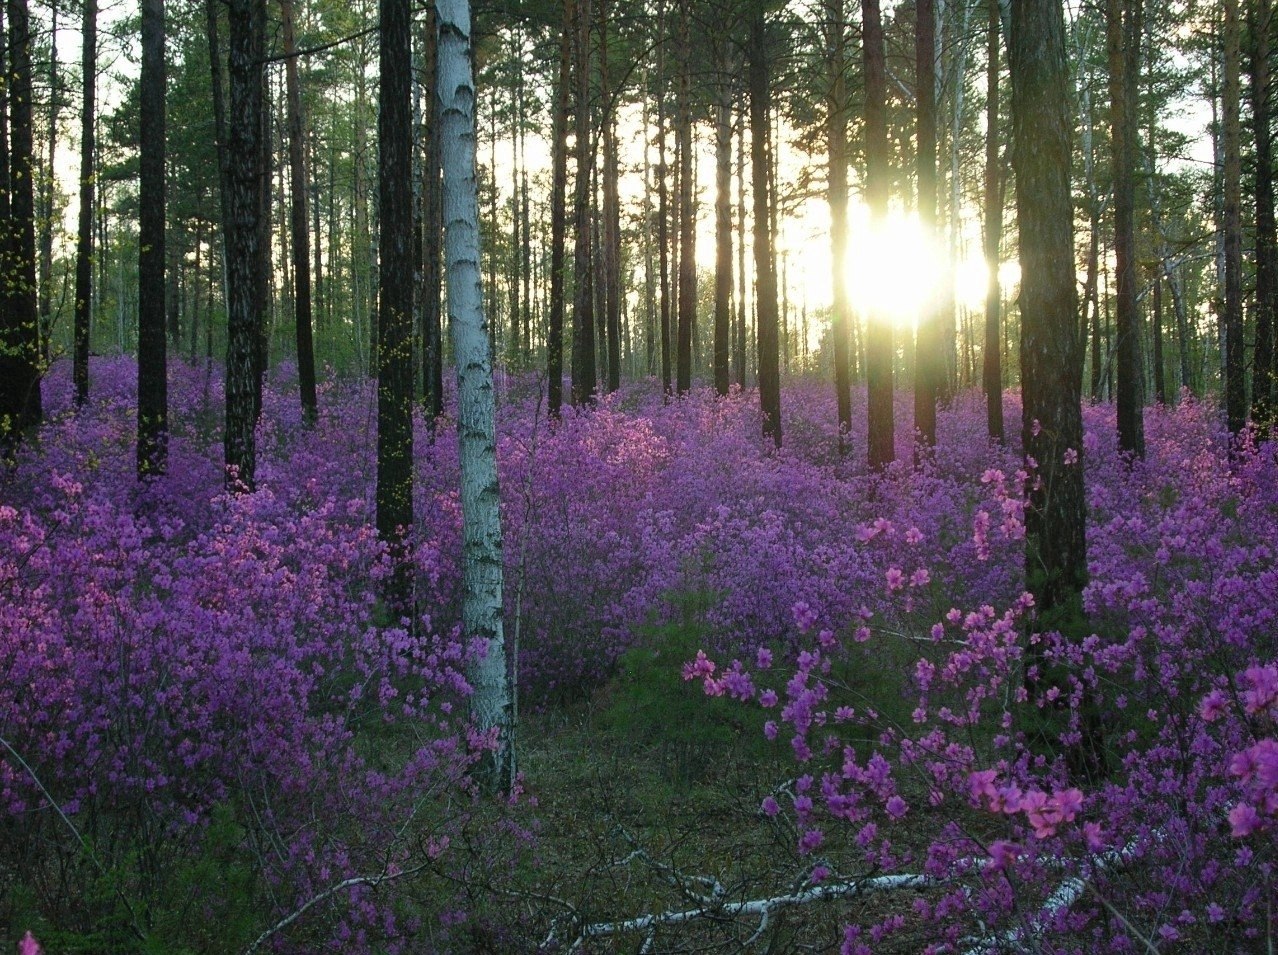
{"x": 1172, "y": 681}
{"x": 207, "y": 690}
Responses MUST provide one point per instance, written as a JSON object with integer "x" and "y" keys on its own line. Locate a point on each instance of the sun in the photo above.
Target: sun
{"x": 893, "y": 267}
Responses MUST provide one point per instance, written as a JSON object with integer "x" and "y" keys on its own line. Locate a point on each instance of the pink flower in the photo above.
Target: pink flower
{"x": 28, "y": 945}
{"x": 1264, "y": 688}
{"x": 1213, "y": 706}
{"x": 1070, "y": 456}
{"x": 1003, "y": 853}
{"x": 1244, "y": 820}
{"x": 895, "y": 578}
{"x": 700, "y": 668}
{"x": 897, "y": 807}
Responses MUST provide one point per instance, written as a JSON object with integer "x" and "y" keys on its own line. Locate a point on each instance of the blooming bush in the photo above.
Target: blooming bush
{"x": 211, "y": 725}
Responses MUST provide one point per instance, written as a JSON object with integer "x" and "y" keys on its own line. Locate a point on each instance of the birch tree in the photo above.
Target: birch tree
{"x": 490, "y": 703}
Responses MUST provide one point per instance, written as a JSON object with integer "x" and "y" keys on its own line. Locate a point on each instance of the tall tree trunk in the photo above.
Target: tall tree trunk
{"x": 929, "y": 345}
{"x": 837, "y": 105}
{"x": 243, "y": 260}
{"x": 518, "y": 223}
{"x": 1262, "y": 383}
{"x": 1160, "y": 379}
{"x": 48, "y": 181}
{"x": 723, "y": 233}
{"x": 20, "y": 365}
{"x": 299, "y": 220}
{"x": 395, "y": 296}
{"x": 584, "y": 382}
{"x": 1234, "y": 384}
{"x": 878, "y": 344}
{"x": 152, "y": 345}
{"x": 1051, "y": 356}
{"x": 663, "y": 206}
{"x": 490, "y": 703}
{"x": 84, "y": 233}
{"x": 992, "y": 370}
{"x": 611, "y": 244}
{"x": 558, "y": 215}
{"x": 765, "y": 276}
{"x": 265, "y": 273}
{"x": 742, "y": 339}
{"x": 432, "y": 217}
{"x": 687, "y": 211}
{"x": 1123, "y": 34}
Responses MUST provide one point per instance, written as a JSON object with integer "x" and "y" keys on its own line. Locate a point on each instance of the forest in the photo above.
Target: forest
{"x": 665, "y": 476}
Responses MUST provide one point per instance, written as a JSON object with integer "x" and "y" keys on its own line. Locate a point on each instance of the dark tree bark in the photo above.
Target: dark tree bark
{"x": 152, "y": 451}
{"x": 584, "y": 381}
{"x": 992, "y": 359}
{"x": 263, "y": 298}
{"x": 837, "y": 105}
{"x": 47, "y": 189}
{"x": 243, "y": 259}
{"x": 1235, "y": 385}
{"x": 299, "y": 220}
{"x": 878, "y": 336}
{"x": 687, "y": 212}
{"x": 1160, "y": 378}
{"x": 663, "y": 207}
{"x": 742, "y": 339}
{"x": 1123, "y": 34}
{"x": 84, "y": 235}
{"x": 395, "y": 295}
{"x": 929, "y": 348}
{"x": 723, "y": 234}
{"x": 20, "y": 400}
{"x": 558, "y": 216}
{"x": 611, "y": 238}
{"x": 432, "y": 219}
{"x": 19, "y": 330}
{"x": 765, "y": 276}
{"x": 1262, "y": 383}
{"x": 1051, "y": 354}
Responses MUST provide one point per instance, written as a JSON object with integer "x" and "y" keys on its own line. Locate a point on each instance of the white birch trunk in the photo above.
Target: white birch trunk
{"x": 481, "y": 522}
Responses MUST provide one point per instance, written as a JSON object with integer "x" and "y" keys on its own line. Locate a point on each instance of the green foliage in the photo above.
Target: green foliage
{"x": 649, "y": 705}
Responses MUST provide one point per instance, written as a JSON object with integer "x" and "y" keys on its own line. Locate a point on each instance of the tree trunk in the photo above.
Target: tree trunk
{"x": 878, "y": 344}
{"x": 611, "y": 244}
{"x": 765, "y": 277}
{"x": 584, "y": 382}
{"x": 1235, "y": 385}
{"x": 687, "y": 212}
{"x": 1160, "y": 380}
{"x": 1262, "y": 383}
{"x": 558, "y": 216}
{"x": 490, "y": 703}
{"x": 992, "y": 370}
{"x": 299, "y": 220}
{"x": 1123, "y": 33}
{"x": 742, "y": 339}
{"x": 243, "y": 260}
{"x": 837, "y": 105}
{"x": 1051, "y": 356}
{"x": 152, "y": 345}
{"x": 84, "y": 234}
{"x": 723, "y": 233}
{"x": 432, "y": 217}
{"x": 930, "y": 348}
{"x": 48, "y": 181}
{"x": 395, "y": 297}
{"x": 663, "y": 208}
{"x": 20, "y": 364}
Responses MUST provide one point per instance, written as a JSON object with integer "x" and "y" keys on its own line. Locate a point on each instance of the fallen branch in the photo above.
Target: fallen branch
{"x": 762, "y": 908}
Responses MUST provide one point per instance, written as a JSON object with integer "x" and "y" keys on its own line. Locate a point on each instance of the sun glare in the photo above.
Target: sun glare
{"x": 892, "y": 269}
